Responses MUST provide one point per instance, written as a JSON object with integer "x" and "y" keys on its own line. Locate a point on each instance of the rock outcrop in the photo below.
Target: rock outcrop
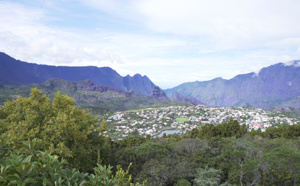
{"x": 159, "y": 95}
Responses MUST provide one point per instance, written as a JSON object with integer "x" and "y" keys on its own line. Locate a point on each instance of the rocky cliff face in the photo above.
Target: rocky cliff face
{"x": 159, "y": 95}
{"x": 86, "y": 85}
{"x": 15, "y": 72}
{"x": 274, "y": 86}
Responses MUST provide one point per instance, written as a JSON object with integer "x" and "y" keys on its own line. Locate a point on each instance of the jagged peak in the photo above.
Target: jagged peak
{"x": 137, "y": 75}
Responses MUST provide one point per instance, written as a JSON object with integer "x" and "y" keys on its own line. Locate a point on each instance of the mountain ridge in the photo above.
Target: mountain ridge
{"x": 277, "y": 85}
{"x": 16, "y": 72}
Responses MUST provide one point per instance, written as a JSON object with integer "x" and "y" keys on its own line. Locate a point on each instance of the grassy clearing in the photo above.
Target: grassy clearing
{"x": 137, "y": 110}
{"x": 182, "y": 119}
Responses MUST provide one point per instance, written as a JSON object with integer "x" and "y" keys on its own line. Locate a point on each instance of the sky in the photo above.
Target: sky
{"x": 170, "y": 41}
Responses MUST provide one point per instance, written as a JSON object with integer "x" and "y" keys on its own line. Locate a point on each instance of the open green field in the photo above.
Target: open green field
{"x": 137, "y": 110}
{"x": 181, "y": 119}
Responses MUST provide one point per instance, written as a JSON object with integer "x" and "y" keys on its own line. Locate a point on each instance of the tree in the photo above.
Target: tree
{"x": 281, "y": 164}
{"x": 244, "y": 160}
{"x": 59, "y": 126}
{"x": 103, "y": 126}
{"x": 164, "y": 135}
{"x": 183, "y": 182}
{"x": 208, "y": 176}
{"x": 29, "y": 166}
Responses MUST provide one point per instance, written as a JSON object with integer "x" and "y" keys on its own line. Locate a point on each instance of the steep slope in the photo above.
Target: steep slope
{"x": 274, "y": 86}
{"x": 140, "y": 84}
{"x": 15, "y": 72}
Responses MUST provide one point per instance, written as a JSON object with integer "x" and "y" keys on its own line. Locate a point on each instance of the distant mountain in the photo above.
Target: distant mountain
{"x": 15, "y": 72}
{"x": 274, "y": 86}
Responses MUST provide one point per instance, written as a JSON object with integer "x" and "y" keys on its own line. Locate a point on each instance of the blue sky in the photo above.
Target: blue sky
{"x": 170, "y": 41}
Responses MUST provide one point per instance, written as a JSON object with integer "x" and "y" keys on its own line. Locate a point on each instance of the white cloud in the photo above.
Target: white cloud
{"x": 24, "y": 34}
{"x": 215, "y": 25}
{"x": 226, "y": 23}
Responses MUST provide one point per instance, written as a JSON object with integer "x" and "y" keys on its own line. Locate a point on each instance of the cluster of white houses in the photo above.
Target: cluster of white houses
{"x": 154, "y": 121}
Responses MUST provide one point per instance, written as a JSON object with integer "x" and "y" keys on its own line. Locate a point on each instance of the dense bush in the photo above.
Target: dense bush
{"x": 29, "y": 166}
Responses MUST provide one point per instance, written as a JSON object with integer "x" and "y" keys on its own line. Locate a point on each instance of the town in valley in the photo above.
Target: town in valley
{"x": 181, "y": 120}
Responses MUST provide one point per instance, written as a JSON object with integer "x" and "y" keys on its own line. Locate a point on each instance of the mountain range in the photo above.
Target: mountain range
{"x": 274, "y": 86}
{"x": 15, "y": 72}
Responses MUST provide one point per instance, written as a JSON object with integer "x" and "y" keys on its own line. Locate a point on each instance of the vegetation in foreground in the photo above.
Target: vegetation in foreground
{"x": 46, "y": 142}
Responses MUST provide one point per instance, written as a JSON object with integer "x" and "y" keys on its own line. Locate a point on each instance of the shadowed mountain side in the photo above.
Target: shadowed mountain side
{"x": 15, "y": 72}
{"x": 274, "y": 86}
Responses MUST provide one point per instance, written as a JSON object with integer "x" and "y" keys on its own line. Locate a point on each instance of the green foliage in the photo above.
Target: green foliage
{"x": 282, "y": 163}
{"x": 283, "y": 131}
{"x": 208, "y": 176}
{"x": 289, "y": 132}
{"x": 42, "y": 168}
{"x": 103, "y": 126}
{"x": 238, "y": 161}
{"x": 242, "y": 160}
{"x": 183, "y": 182}
{"x": 59, "y": 126}
{"x": 224, "y": 130}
